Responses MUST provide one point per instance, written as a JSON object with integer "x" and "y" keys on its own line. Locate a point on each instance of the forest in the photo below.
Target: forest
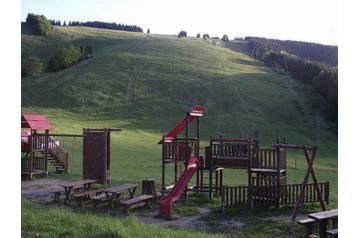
{"x": 311, "y": 63}
{"x": 100, "y": 24}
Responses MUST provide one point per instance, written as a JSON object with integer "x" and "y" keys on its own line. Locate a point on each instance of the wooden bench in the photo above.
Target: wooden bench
{"x": 308, "y": 223}
{"x": 98, "y": 199}
{"x": 333, "y": 232}
{"x": 57, "y": 194}
{"x": 323, "y": 218}
{"x": 142, "y": 200}
{"x": 61, "y": 191}
{"x": 80, "y": 195}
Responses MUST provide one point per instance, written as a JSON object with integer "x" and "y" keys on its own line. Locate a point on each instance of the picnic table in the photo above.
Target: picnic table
{"x": 113, "y": 193}
{"x": 323, "y": 218}
{"x": 78, "y": 184}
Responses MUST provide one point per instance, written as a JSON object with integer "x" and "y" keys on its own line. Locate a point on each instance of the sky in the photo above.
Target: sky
{"x": 304, "y": 20}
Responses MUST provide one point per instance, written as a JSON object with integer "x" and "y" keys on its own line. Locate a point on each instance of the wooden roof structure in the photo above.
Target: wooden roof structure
{"x": 35, "y": 122}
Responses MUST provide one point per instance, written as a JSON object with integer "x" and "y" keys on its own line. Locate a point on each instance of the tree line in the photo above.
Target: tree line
{"x": 99, "y": 24}
{"x": 327, "y": 54}
{"x": 40, "y": 25}
{"x": 323, "y": 77}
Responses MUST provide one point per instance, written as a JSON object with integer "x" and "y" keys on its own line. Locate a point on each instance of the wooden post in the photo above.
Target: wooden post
{"x": 304, "y": 183}
{"x": 108, "y": 175}
{"x": 163, "y": 165}
{"x": 278, "y": 175}
{"x": 250, "y": 186}
{"x": 315, "y": 182}
{"x": 46, "y": 157}
{"x": 31, "y": 141}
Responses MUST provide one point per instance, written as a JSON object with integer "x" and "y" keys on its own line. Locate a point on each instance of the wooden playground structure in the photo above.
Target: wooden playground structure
{"x": 266, "y": 169}
{"x": 38, "y": 150}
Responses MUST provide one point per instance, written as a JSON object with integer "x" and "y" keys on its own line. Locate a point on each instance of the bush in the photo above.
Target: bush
{"x": 65, "y": 57}
{"x": 33, "y": 67}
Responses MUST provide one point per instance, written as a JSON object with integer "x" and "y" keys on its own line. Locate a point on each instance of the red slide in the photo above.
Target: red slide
{"x": 196, "y": 111}
{"x": 165, "y": 205}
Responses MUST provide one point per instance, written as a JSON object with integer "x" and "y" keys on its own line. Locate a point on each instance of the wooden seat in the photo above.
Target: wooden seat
{"x": 57, "y": 194}
{"x": 61, "y": 191}
{"x": 98, "y": 199}
{"x": 142, "y": 200}
{"x": 333, "y": 232}
{"x": 308, "y": 223}
{"x": 267, "y": 171}
{"x": 83, "y": 194}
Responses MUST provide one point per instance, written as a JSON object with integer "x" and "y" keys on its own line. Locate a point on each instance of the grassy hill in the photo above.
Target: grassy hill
{"x": 145, "y": 83}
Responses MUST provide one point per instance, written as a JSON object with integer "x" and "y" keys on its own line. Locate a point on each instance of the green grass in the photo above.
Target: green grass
{"x": 38, "y": 221}
{"x": 145, "y": 83}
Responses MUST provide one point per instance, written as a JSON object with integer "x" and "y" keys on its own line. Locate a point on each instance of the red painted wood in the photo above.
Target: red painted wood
{"x": 35, "y": 122}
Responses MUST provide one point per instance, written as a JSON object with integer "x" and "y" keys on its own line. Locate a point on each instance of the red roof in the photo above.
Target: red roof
{"x": 35, "y": 122}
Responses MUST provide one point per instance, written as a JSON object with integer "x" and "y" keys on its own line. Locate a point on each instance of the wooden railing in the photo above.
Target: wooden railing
{"x": 223, "y": 147}
{"x": 175, "y": 150}
{"x": 57, "y": 152}
{"x": 44, "y": 144}
{"x": 230, "y": 150}
{"x": 266, "y": 158}
{"x": 267, "y": 195}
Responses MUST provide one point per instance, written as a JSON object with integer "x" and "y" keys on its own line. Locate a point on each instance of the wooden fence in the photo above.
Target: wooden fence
{"x": 267, "y": 195}
{"x": 39, "y": 163}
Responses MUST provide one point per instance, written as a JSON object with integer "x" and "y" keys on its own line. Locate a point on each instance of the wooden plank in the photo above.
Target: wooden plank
{"x": 86, "y": 192}
{"x": 136, "y": 202}
{"x": 330, "y": 214}
{"x": 333, "y": 232}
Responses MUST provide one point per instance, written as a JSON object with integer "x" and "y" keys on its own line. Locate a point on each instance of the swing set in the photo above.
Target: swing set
{"x": 310, "y": 154}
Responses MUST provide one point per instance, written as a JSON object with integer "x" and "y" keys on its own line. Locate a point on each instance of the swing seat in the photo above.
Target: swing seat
{"x": 267, "y": 171}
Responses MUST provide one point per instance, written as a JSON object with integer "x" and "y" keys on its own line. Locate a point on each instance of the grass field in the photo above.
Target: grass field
{"x": 145, "y": 83}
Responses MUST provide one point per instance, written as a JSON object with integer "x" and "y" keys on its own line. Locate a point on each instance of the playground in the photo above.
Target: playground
{"x": 192, "y": 176}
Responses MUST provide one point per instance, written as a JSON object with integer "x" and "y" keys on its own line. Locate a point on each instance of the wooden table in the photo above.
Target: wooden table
{"x": 323, "y": 218}
{"x": 83, "y": 183}
{"x": 113, "y": 193}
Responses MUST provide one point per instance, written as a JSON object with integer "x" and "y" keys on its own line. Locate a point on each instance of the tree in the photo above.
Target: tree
{"x": 148, "y": 31}
{"x": 225, "y": 38}
{"x": 206, "y": 36}
{"x": 198, "y": 35}
{"x": 39, "y": 24}
{"x": 182, "y": 34}
{"x": 33, "y": 67}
